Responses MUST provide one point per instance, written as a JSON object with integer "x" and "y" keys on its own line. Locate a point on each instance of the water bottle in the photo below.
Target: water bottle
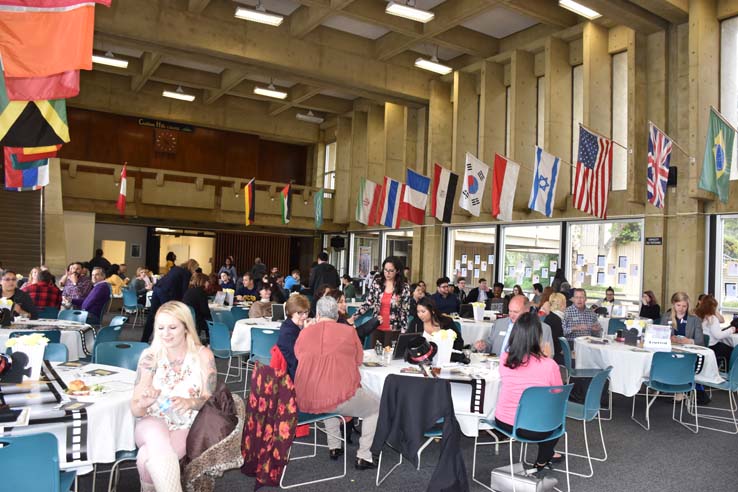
{"x": 165, "y": 407}
{"x": 378, "y": 348}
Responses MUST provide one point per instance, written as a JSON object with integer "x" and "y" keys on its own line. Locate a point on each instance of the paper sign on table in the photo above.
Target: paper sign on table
{"x": 657, "y": 338}
{"x": 622, "y": 278}
{"x": 622, "y": 262}
{"x": 528, "y": 272}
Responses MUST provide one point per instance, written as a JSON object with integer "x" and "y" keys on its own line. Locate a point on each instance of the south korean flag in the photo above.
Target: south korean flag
{"x": 472, "y": 192}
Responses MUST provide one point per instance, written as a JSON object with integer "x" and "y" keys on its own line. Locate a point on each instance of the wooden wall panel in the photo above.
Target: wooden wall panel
{"x": 273, "y": 250}
{"x": 20, "y": 214}
{"x": 110, "y": 138}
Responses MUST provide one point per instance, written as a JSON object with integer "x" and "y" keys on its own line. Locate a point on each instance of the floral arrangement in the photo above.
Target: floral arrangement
{"x": 31, "y": 340}
{"x": 6, "y": 303}
{"x": 478, "y": 304}
{"x": 446, "y": 335}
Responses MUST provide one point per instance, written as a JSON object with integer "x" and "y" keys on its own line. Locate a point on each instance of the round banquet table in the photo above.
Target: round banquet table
{"x": 76, "y": 336}
{"x": 631, "y": 365}
{"x": 471, "y": 330}
{"x": 241, "y": 336}
{"x": 372, "y": 379}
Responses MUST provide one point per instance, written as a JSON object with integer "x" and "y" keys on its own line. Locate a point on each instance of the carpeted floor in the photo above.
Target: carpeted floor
{"x": 668, "y": 457}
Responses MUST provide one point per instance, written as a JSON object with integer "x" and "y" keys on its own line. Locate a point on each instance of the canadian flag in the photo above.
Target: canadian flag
{"x": 121, "y": 205}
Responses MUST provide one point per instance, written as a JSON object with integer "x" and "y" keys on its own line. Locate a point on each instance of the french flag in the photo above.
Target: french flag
{"x": 415, "y": 197}
{"x": 389, "y": 207}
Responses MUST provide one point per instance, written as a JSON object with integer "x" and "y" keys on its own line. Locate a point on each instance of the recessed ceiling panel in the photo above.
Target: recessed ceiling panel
{"x": 263, "y": 79}
{"x": 353, "y": 26}
{"x": 182, "y": 62}
{"x": 283, "y": 7}
{"x": 116, "y": 50}
{"x": 499, "y": 22}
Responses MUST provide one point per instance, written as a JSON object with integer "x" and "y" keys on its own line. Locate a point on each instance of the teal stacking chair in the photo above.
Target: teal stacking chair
{"x": 106, "y": 334}
{"x": 223, "y": 316}
{"x": 581, "y": 373}
{"x": 77, "y": 315}
{"x": 239, "y": 313}
{"x": 671, "y": 373}
{"x": 131, "y": 305}
{"x": 614, "y": 325}
{"x": 120, "y": 354}
{"x": 31, "y": 463}
{"x": 56, "y": 352}
{"x": 351, "y": 310}
{"x": 54, "y": 336}
{"x": 262, "y": 341}
{"x": 48, "y": 313}
{"x": 731, "y": 387}
{"x": 118, "y": 320}
{"x": 220, "y": 344}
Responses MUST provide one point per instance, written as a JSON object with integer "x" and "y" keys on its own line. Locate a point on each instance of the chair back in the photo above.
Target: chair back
{"x": 351, "y": 310}
{"x": 369, "y": 314}
{"x": 54, "y": 336}
{"x": 614, "y": 325}
{"x": 673, "y": 368}
{"x": 118, "y": 321}
{"x": 223, "y": 316}
{"x": 566, "y": 350}
{"x": 594, "y": 394}
{"x": 542, "y": 409}
{"x": 119, "y": 354}
{"x": 457, "y": 328}
{"x": 30, "y": 462}
{"x": 130, "y": 300}
{"x": 733, "y": 357}
{"x": 194, "y": 316}
{"x": 220, "y": 339}
{"x": 77, "y": 315}
{"x": 106, "y": 334}
{"x": 48, "y": 313}
{"x": 262, "y": 341}
{"x": 56, "y": 352}
{"x": 733, "y": 376}
{"x": 239, "y": 313}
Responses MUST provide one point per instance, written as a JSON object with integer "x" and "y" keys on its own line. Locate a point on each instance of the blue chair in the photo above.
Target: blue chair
{"x": 614, "y": 325}
{"x": 48, "y": 313}
{"x": 56, "y": 352}
{"x": 106, "y": 334}
{"x": 587, "y": 412}
{"x": 194, "y": 315}
{"x": 54, "y": 336}
{"x": 351, "y": 310}
{"x": 239, "y": 313}
{"x": 262, "y": 341}
{"x": 131, "y": 305}
{"x": 731, "y": 386}
{"x": 435, "y": 433}
{"x": 119, "y": 354}
{"x": 223, "y": 316}
{"x": 312, "y": 420}
{"x": 76, "y": 315}
{"x": 220, "y": 344}
{"x": 733, "y": 361}
{"x": 541, "y": 409}
{"x": 31, "y": 463}
{"x": 118, "y": 321}
{"x": 571, "y": 372}
{"x": 671, "y": 373}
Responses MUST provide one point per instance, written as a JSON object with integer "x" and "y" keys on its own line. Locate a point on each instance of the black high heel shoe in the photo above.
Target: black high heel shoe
{"x": 335, "y": 453}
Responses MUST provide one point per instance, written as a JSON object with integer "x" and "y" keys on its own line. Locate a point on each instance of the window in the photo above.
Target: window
{"x": 726, "y": 257}
{"x": 471, "y": 254}
{"x": 540, "y": 111}
{"x": 507, "y": 120}
{"x": 336, "y": 257}
{"x": 365, "y": 253}
{"x": 400, "y": 244}
{"x": 729, "y": 77}
{"x": 329, "y": 169}
{"x": 577, "y": 113}
{"x": 530, "y": 254}
{"x": 620, "y": 121}
{"x": 607, "y": 254}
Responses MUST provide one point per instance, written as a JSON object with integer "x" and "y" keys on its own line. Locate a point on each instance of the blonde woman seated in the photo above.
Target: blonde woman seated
{"x": 685, "y": 327}
{"x": 177, "y": 370}
{"x": 263, "y": 307}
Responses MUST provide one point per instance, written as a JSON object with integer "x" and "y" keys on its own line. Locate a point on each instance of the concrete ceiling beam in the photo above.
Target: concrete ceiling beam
{"x": 150, "y": 61}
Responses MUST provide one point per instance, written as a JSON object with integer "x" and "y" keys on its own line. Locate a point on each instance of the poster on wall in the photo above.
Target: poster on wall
{"x": 536, "y": 279}
{"x": 600, "y": 278}
{"x": 580, "y": 260}
{"x": 600, "y": 260}
{"x": 544, "y": 272}
{"x": 623, "y": 262}
{"x": 519, "y": 280}
{"x": 365, "y": 259}
{"x": 528, "y": 272}
{"x": 553, "y": 266}
{"x": 521, "y": 265}
{"x": 580, "y": 278}
{"x": 633, "y": 270}
{"x": 731, "y": 290}
{"x": 477, "y": 259}
{"x": 622, "y": 278}
{"x": 463, "y": 258}
{"x": 463, "y": 272}
{"x": 536, "y": 264}
{"x": 591, "y": 269}
{"x": 476, "y": 273}
{"x": 457, "y": 265}
{"x": 733, "y": 268}
{"x": 469, "y": 265}
{"x": 510, "y": 271}
{"x": 490, "y": 259}
{"x": 484, "y": 266}
{"x": 611, "y": 270}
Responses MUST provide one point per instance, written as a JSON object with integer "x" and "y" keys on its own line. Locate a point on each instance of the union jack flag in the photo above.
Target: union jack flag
{"x": 659, "y": 154}
{"x": 593, "y": 173}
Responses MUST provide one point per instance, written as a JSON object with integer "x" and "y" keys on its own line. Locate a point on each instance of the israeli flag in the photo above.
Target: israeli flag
{"x": 543, "y": 189}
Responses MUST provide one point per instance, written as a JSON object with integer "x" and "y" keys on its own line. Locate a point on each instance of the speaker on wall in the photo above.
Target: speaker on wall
{"x": 672, "y": 180}
{"x": 338, "y": 242}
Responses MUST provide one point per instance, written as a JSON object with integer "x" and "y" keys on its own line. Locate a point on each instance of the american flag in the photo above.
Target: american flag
{"x": 659, "y": 154}
{"x": 592, "y": 179}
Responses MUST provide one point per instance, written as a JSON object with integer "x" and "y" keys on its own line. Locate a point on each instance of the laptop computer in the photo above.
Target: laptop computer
{"x": 403, "y": 341}
{"x": 278, "y": 312}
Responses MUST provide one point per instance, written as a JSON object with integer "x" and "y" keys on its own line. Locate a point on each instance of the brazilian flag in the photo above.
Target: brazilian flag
{"x": 32, "y": 123}
{"x": 715, "y": 176}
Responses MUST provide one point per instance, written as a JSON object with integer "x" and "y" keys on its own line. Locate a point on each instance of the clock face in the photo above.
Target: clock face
{"x": 165, "y": 141}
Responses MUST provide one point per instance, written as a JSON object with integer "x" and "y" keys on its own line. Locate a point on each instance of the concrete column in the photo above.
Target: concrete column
{"x": 342, "y": 195}
{"x": 359, "y": 149}
{"x": 395, "y": 135}
{"x": 376, "y": 151}
{"x": 637, "y": 116}
{"x": 410, "y": 159}
{"x": 522, "y": 121}
{"x": 557, "y": 113}
{"x": 596, "y": 78}
{"x": 491, "y": 111}
{"x": 55, "y": 245}
{"x": 465, "y": 118}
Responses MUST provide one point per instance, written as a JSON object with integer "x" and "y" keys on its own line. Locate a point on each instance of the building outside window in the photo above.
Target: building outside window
{"x": 726, "y": 268}
{"x": 530, "y": 254}
{"x": 329, "y": 167}
{"x": 400, "y": 244}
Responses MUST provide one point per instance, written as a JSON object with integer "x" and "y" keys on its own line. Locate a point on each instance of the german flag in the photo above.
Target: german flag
{"x": 249, "y": 195}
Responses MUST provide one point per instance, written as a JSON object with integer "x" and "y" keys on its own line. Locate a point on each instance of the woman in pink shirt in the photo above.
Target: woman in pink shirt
{"x": 524, "y": 365}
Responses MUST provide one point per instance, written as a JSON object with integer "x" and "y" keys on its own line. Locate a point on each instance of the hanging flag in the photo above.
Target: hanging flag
{"x": 545, "y": 177}
{"x": 28, "y": 154}
{"x": 249, "y": 197}
{"x": 415, "y": 197}
{"x": 32, "y": 124}
{"x": 26, "y": 179}
{"x": 12, "y": 161}
{"x": 318, "y": 202}
{"x": 121, "y": 205}
{"x": 367, "y": 203}
{"x": 472, "y": 190}
{"x": 504, "y": 182}
{"x": 52, "y": 4}
{"x": 57, "y": 86}
{"x": 593, "y": 173}
{"x": 286, "y": 194}
{"x": 42, "y": 42}
{"x": 444, "y": 193}
{"x": 659, "y": 155}
{"x": 715, "y": 176}
{"x": 389, "y": 206}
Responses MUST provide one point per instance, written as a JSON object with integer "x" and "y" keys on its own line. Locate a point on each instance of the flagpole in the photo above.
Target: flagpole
{"x": 720, "y": 115}
{"x": 608, "y": 138}
{"x": 691, "y": 158}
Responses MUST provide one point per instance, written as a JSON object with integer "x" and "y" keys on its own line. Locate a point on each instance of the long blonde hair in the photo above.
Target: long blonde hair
{"x": 678, "y": 297}
{"x": 181, "y": 312}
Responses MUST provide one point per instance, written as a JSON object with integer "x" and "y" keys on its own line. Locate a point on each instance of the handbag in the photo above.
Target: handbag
{"x": 502, "y": 481}
{"x": 213, "y": 423}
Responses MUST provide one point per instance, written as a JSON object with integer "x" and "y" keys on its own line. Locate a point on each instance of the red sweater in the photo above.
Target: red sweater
{"x": 329, "y": 355}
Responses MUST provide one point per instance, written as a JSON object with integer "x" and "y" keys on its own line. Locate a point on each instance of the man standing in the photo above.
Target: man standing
{"x": 323, "y": 274}
{"x": 498, "y": 339}
{"x": 460, "y": 290}
{"x": 258, "y": 270}
{"x": 171, "y": 287}
{"x": 95, "y": 301}
{"x": 44, "y": 293}
{"x": 578, "y": 320}
{"x": 445, "y": 302}
{"x": 99, "y": 261}
{"x": 22, "y": 303}
{"x": 537, "y": 292}
{"x": 481, "y": 293}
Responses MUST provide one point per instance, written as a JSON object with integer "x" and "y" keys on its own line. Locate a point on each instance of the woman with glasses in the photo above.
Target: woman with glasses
{"x": 296, "y": 309}
{"x": 389, "y": 297}
{"x": 22, "y": 303}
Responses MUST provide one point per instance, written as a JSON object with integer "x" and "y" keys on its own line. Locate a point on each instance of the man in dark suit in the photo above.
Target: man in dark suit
{"x": 460, "y": 290}
{"x": 497, "y": 341}
{"x": 323, "y": 274}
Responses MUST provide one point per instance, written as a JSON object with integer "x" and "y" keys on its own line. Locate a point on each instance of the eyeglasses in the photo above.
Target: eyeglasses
{"x": 9, "y": 279}
{"x": 444, "y": 286}
{"x": 303, "y": 313}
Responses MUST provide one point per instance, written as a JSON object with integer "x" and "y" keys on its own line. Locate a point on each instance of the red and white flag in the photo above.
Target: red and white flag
{"x": 444, "y": 193}
{"x": 121, "y": 205}
{"x": 504, "y": 182}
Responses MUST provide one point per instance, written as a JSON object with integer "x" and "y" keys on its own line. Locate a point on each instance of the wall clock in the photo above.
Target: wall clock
{"x": 165, "y": 141}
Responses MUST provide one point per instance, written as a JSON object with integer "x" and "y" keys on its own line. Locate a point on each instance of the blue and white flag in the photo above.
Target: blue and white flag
{"x": 415, "y": 197}
{"x": 543, "y": 189}
{"x": 389, "y": 206}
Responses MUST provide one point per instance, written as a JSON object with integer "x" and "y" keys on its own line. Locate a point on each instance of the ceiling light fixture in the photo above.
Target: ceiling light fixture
{"x": 259, "y": 14}
{"x": 178, "y": 94}
{"x": 309, "y": 117}
{"x": 433, "y": 65}
{"x": 579, "y": 9}
{"x": 270, "y": 91}
{"x": 110, "y": 59}
{"x": 408, "y": 11}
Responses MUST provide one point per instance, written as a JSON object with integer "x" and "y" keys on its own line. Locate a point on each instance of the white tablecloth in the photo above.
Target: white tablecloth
{"x": 71, "y": 334}
{"x": 109, "y": 422}
{"x": 630, "y": 367}
{"x": 471, "y": 330}
{"x": 372, "y": 379}
{"x": 241, "y": 337}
